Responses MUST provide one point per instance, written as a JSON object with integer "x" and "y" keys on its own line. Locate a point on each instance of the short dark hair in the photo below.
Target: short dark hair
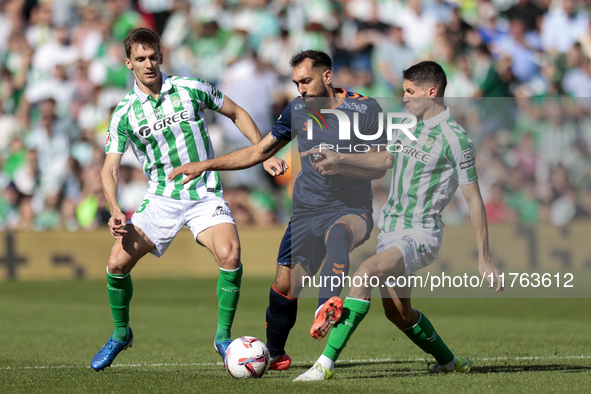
{"x": 142, "y": 36}
{"x": 319, "y": 59}
{"x": 427, "y": 72}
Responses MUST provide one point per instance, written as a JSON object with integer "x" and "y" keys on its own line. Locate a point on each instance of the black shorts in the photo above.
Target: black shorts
{"x": 303, "y": 242}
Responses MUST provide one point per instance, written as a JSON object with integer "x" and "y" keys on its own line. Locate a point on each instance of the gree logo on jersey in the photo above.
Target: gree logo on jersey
{"x": 345, "y": 125}
{"x": 145, "y": 131}
{"x": 416, "y": 153}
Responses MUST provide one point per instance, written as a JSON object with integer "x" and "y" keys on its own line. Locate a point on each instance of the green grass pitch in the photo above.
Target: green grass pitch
{"x": 49, "y": 332}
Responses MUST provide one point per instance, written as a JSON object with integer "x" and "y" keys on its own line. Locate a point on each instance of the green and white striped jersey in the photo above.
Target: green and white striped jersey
{"x": 426, "y": 173}
{"x": 167, "y": 133}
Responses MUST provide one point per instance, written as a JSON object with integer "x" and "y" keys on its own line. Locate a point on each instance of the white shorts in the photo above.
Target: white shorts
{"x": 161, "y": 218}
{"x": 419, "y": 247}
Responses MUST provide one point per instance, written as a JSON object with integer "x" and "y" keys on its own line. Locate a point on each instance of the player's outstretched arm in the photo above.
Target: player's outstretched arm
{"x": 110, "y": 183}
{"x": 246, "y": 125}
{"x": 348, "y": 170}
{"x": 237, "y": 160}
{"x": 472, "y": 195}
{"x": 382, "y": 160}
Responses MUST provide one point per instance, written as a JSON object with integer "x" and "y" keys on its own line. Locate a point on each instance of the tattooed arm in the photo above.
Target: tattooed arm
{"x": 237, "y": 160}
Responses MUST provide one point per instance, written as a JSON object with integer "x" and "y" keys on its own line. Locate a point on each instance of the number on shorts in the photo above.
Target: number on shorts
{"x": 143, "y": 206}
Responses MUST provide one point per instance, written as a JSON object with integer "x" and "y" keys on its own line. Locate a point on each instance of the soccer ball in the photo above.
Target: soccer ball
{"x": 247, "y": 357}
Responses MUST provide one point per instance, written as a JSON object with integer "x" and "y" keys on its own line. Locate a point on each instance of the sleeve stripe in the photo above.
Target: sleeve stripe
{"x": 118, "y": 128}
{"x": 458, "y": 144}
{"x": 202, "y": 92}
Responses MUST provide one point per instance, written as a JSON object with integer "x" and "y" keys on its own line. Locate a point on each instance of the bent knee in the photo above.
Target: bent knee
{"x": 119, "y": 263}
{"x": 228, "y": 256}
{"x": 371, "y": 271}
{"x": 401, "y": 319}
{"x": 283, "y": 289}
{"x": 282, "y": 282}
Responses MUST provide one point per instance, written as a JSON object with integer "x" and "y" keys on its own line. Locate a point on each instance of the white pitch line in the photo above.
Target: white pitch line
{"x": 367, "y": 361}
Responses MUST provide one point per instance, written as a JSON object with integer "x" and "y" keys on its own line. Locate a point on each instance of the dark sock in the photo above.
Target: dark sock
{"x": 338, "y": 244}
{"x": 281, "y": 317}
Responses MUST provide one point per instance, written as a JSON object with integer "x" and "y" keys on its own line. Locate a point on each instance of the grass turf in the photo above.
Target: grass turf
{"x": 51, "y": 330}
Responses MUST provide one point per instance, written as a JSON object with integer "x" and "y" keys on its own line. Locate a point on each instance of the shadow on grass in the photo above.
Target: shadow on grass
{"x": 347, "y": 364}
{"x": 530, "y": 368}
{"x": 385, "y": 370}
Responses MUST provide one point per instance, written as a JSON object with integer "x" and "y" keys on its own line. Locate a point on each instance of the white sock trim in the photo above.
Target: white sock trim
{"x": 450, "y": 366}
{"x": 357, "y": 299}
{"x": 234, "y": 270}
{"x": 326, "y": 362}
{"x": 118, "y": 276}
{"x": 416, "y": 324}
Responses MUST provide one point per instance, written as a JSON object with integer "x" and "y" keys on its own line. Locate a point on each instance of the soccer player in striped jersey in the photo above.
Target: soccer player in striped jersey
{"x": 162, "y": 119}
{"x": 425, "y": 176}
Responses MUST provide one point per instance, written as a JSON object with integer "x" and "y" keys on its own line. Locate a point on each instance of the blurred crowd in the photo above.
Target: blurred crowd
{"x": 532, "y": 158}
{"x": 62, "y": 73}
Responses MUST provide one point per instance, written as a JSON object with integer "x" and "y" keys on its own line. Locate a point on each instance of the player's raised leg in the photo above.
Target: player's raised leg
{"x": 222, "y": 241}
{"x": 417, "y": 327}
{"x": 125, "y": 253}
{"x": 355, "y": 308}
{"x": 340, "y": 240}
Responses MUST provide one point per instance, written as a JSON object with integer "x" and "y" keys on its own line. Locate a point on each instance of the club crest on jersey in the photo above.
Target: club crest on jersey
{"x": 176, "y": 102}
{"x": 178, "y": 117}
{"x": 429, "y": 144}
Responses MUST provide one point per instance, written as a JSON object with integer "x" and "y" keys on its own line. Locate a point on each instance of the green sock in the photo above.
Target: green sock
{"x": 354, "y": 310}
{"x": 120, "y": 292}
{"x": 424, "y": 336}
{"x": 228, "y": 295}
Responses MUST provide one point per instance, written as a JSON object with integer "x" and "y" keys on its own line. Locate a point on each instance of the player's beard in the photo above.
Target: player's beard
{"x": 318, "y": 100}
